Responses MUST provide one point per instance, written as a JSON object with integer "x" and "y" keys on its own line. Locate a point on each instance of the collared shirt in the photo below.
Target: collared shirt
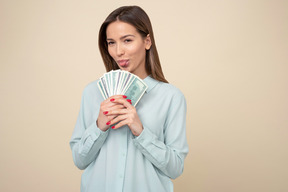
{"x": 118, "y": 161}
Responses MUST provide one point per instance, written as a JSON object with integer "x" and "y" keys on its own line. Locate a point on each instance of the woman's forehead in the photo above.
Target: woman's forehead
{"x": 120, "y": 29}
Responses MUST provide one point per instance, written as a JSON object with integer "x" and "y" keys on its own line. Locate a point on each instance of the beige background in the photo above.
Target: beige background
{"x": 230, "y": 59}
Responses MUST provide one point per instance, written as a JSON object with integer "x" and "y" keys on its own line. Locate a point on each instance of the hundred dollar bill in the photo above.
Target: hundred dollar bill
{"x": 120, "y": 82}
{"x": 126, "y": 82}
{"x": 100, "y": 86}
{"x": 136, "y": 90}
{"x": 108, "y": 83}
{"x": 104, "y": 86}
{"x": 114, "y": 76}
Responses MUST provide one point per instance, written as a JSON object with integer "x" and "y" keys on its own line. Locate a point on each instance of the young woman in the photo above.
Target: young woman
{"x": 146, "y": 146}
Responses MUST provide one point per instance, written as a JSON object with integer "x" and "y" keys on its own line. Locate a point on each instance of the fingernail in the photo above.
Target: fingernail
{"x": 108, "y": 123}
{"x": 105, "y": 112}
{"x": 113, "y": 127}
{"x": 124, "y": 96}
{"x": 112, "y": 99}
{"x": 129, "y": 100}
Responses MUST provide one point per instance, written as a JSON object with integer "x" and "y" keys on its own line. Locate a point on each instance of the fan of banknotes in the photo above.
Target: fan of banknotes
{"x": 118, "y": 82}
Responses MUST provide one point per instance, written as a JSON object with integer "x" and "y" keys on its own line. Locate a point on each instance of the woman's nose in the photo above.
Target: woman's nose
{"x": 119, "y": 50}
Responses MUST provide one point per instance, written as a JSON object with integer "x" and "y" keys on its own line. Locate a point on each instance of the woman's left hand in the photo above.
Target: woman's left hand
{"x": 127, "y": 116}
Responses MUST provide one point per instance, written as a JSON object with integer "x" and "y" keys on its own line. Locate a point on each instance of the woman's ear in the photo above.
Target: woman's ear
{"x": 148, "y": 42}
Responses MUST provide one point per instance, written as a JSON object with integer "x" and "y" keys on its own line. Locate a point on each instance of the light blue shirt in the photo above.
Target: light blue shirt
{"x": 116, "y": 160}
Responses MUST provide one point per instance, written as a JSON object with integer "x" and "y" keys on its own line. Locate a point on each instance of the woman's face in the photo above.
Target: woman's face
{"x": 127, "y": 47}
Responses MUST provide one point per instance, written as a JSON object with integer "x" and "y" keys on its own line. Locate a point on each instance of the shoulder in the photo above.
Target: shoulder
{"x": 171, "y": 97}
{"x": 91, "y": 88}
{"x": 170, "y": 90}
{"x": 168, "y": 94}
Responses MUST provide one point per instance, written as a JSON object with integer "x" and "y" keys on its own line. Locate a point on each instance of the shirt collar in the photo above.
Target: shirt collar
{"x": 150, "y": 82}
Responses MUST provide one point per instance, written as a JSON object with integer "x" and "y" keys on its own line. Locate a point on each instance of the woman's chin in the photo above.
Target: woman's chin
{"x": 125, "y": 69}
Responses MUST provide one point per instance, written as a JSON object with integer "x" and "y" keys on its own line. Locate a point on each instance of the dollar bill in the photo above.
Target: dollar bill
{"x": 136, "y": 90}
{"x": 120, "y": 82}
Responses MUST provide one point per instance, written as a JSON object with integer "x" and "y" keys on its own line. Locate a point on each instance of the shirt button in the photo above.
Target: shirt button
{"x": 121, "y": 176}
{"x": 123, "y": 154}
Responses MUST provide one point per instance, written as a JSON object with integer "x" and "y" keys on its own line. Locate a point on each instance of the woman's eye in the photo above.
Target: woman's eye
{"x": 127, "y": 40}
{"x": 110, "y": 43}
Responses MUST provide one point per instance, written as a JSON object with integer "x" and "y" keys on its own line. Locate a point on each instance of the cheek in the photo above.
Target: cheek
{"x": 111, "y": 52}
{"x": 136, "y": 50}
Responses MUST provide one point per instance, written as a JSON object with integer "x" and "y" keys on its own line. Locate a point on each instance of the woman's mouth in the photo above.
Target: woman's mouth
{"x": 123, "y": 63}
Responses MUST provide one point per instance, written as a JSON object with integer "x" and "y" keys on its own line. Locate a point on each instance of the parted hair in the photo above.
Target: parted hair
{"x": 136, "y": 16}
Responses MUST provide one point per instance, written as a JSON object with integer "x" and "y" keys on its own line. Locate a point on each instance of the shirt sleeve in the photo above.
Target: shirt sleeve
{"x": 87, "y": 139}
{"x": 167, "y": 156}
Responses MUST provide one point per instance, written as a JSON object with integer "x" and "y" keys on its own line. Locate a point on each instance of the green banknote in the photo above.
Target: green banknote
{"x": 136, "y": 90}
{"x": 120, "y": 82}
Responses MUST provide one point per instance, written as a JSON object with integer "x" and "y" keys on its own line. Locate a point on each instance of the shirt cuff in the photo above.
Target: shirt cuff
{"x": 97, "y": 133}
{"x": 145, "y": 141}
{"x": 145, "y": 136}
{"x": 92, "y": 134}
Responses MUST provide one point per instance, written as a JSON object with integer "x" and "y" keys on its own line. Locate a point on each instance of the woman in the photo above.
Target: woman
{"x": 147, "y": 145}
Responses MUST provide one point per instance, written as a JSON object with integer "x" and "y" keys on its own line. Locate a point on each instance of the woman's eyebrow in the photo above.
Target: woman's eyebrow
{"x": 123, "y": 37}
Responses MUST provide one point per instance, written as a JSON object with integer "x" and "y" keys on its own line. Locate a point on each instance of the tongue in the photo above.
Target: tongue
{"x": 123, "y": 64}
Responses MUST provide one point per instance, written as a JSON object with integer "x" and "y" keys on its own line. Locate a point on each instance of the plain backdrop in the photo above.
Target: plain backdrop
{"x": 229, "y": 58}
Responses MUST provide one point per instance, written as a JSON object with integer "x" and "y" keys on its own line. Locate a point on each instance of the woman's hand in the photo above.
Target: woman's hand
{"x": 126, "y": 115}
{"x": 105, "y": 107}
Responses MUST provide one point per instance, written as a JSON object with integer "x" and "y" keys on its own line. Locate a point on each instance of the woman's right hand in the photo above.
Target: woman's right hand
{"x": 106, "y": 106}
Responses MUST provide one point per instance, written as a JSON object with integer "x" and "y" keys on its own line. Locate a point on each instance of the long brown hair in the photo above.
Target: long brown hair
{"x": 137, "y": 17}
